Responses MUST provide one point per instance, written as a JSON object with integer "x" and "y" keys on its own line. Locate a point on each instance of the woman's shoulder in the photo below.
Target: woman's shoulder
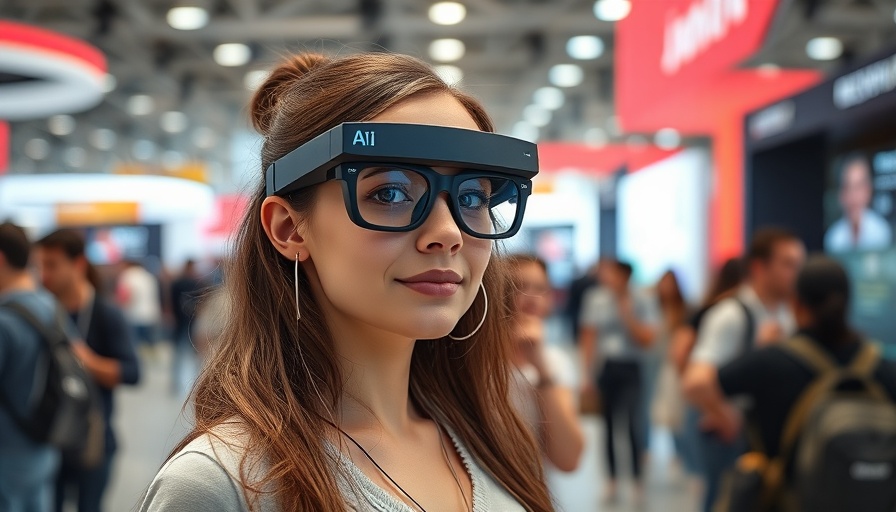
{"x": 203, "y": 476}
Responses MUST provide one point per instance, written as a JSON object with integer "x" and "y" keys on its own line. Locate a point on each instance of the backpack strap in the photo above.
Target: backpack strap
{"x": 749, "y": 339}
{"x": 810, "y": 353}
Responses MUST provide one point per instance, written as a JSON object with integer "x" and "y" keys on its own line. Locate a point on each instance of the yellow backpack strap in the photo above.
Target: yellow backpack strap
{"x": 810, "y": 353}
{"x": 863, "y": 366}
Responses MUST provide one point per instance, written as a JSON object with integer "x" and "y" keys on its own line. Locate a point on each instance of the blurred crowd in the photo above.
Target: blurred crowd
{"x": 718, "y": 375}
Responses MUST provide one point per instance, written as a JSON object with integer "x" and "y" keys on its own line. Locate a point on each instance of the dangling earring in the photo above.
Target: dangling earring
{"x": 481, "y": 322}
{"x": 296, "y": 280}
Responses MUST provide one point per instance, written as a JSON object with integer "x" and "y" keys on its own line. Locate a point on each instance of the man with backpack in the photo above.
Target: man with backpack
{"x": 107, "y": 354}
{"x": 27, "y": 466}
{"x": 822, "y": 410}
{"x": 757, "y": 315}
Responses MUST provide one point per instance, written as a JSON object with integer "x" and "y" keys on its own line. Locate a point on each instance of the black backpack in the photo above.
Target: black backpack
{"x": 67, "y": 412}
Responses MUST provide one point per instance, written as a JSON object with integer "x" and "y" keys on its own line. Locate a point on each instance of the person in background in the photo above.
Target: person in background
{"x": 184, "y": 298}
{"x": 542, "y": 388}
{"x": 107, "y": 354}
{"x": 773, "y": 378}
{"x": 577, "y": 290}
{"x": 138, "y": 295}
{"x": 618, "y": 324}
{"x": 860, "y": 228}
{"x": 758, "y": 314}
{"x": 27, "y": 469}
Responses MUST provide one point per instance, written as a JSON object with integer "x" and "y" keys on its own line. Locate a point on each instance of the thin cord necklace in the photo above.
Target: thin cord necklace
{"x": 383, "y": 471}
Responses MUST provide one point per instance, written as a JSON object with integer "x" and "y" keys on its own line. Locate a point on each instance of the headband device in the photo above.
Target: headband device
{"x": 315, "y": 161}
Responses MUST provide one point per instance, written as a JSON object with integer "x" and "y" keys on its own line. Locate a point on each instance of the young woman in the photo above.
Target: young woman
{"x": 542, "y": 389}
{"x": 363, "y": 366}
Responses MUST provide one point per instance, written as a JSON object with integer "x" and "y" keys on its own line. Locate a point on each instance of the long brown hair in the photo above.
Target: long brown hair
{"x": 267, "y": 370}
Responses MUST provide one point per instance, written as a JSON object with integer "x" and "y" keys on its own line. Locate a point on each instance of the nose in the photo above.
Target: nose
{"x": 440, "y": 233}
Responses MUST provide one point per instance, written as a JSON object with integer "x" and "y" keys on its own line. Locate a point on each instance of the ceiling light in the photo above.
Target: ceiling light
{"x": 768, "y": 70}
{"x": 103, "y": 139}
{"x": 75, "y": 156}
{"x": 187, "y": 18}
{"x": 447, "y": 13}
{"x": 667, "y": 138}
{"x": 173, "y": 122}
{"x": 550, "y": 98}
{"x": 612, "y": 10}
{"x": 37, "y": 149}
{"x": 205, "y": 138}
{"x": 232, "y": 54}
{"x": 109, "y": 83}
{"x": 566, "y": 75}
{"x": 255, "y": 78}
{"x": 172, "y": 159}
{"x": 525, "y": 131}
{"x": 446, "y": 50}
{"x": 537, "y": 116}
{"x": 141, "y": 105}
{"x": 596, "y": 137}
{"x": 144, "y": 149}
{"x": 824, "y": 48}
{"x": 61, "y": 125}
{"x": 451, "y": 75}
{"x": 585, "y": 47}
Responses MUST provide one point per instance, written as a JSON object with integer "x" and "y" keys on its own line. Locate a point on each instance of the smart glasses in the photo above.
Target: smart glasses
{"x": 388, "y": 180}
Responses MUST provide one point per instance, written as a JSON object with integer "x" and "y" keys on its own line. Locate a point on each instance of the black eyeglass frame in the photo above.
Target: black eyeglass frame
{"x": 437, "y": 183}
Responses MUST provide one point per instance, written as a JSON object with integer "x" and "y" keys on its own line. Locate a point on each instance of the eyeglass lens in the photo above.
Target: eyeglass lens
{"x": 395, "y": 197}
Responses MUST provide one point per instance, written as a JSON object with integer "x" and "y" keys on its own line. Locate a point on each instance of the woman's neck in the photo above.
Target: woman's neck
{"x": 376, "y": 369}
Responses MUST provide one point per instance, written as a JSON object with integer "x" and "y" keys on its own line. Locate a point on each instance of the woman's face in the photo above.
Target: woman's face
{"x": 378, "y": 279}
{"x": 533, "y": 294}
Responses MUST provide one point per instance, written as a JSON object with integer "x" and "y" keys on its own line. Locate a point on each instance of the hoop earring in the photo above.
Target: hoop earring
{"x": 481, "y": 322}
{"x": 296, "y": 281}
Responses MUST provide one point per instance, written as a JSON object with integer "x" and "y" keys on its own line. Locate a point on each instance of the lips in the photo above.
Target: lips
{"x": 435, "y": 283}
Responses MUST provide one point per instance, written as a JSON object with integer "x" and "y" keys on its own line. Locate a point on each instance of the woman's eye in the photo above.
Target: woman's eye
{"x": 390, "y": 195}
{"x": 472, "y": 200}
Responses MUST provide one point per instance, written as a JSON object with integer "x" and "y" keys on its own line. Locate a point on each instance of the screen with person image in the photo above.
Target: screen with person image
{"x": 859, "y": 202}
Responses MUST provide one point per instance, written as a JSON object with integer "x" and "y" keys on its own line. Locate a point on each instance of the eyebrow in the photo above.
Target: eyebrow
{"x": 380, "y": 170}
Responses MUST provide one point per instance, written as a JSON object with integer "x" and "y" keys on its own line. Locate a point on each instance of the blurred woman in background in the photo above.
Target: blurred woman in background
{"x": 542, "y": 387}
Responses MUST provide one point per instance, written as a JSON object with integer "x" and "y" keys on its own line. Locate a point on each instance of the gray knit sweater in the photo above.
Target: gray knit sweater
{"x": 203, "y": 478}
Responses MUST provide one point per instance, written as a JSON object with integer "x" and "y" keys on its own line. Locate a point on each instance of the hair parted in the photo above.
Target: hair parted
{"x": 267, "y": 369}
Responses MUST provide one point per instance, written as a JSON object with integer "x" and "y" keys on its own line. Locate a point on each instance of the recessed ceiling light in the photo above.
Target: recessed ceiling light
{"x": 596, "y": 137}
{"x": 205, "y": 138}
{"x": 446, "y": 50}
{"x": 566, "y": 75}
{"x": 173, "y": 122}
{"x": 451, "y": 75}
{"x": 141, "y": 105}
{"x": 667, "y": 138}
{"x": 447, "y": 13}
{"x": 612, "y": 10}
{"x": 537, "y": 116}
{"x": 75, "y": 156}
{"x": 144, "y": 149}
{"x": 61, "y": 125}
{"x": 550, "y": 98}
{"x": 232, "y": 54}
{"x": 37, "y": 149}
{"x": 824, "y": 48}
{"x": 585, "y": 47}
{"x": 255, "y": 78}
{"x": 187, "y": 18}
{"x": 525, "y": 131}
{"x": 103, "y": 139}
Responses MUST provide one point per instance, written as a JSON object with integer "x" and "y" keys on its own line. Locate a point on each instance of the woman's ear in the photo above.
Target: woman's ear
{"x": 282, "y": 226}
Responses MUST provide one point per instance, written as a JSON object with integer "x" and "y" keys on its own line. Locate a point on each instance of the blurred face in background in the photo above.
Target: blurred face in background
{"x": 533, "y": 293}
{"x": 667, "y": 289}
{"x": 855, "y": 190}
{"x": 58, "y": 273}
{"x": 779, "y": 273}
